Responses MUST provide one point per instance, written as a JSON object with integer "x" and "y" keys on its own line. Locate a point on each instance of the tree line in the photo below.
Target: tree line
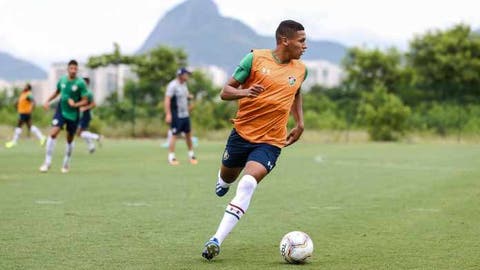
{"x": 434, "y": 86}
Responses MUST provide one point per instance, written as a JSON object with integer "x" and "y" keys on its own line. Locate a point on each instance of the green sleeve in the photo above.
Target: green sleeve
{"x": 243, "y": 69}
{"x": 306, "y": 74}
{"x": 58, "y": 86}
{"x": 83, "y": 89}
{"x": 30, "y": 97}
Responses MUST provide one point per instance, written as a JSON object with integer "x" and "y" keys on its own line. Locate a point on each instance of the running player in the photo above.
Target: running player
{"x": 25, "y": 105}
{"x": 73, "y": 95}
{"x": 267, "y": 85}
{"x": 86, "y": 117}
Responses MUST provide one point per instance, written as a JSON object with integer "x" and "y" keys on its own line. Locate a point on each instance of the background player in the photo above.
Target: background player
{"x": 25, "y": 105}
{"x": 85, "y": 118}
{"x": 267, "y": 85}
{"x": 73, "y": 95}
{"x": 177, "y": 114}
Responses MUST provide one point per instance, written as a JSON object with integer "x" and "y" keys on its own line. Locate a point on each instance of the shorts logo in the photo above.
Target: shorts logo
{"x": 174, "y": 130}
{"x": 55, "y": 122}
{"x": 226, "y": 156}
{"x": 291, "y": 80}
{"x": 270, "y": 165}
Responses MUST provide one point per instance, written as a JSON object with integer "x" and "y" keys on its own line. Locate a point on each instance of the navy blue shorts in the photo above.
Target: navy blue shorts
{"x": 180, "y": 125}
{"x": 85, "y": 120}
{"x": 239, "y": 151}
{"x": 24, "y": 117}
{"x": 60, "y": 121}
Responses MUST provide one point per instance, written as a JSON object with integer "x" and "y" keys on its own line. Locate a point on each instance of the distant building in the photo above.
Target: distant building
{"x": 321, "y": 72}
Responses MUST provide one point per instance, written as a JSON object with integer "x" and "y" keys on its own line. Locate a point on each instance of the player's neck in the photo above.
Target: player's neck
{"x": 72, "y": 78}
{"x": 280, "y": 56}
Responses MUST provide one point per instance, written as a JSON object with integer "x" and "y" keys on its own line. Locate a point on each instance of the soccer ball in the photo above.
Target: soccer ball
{"x": 296, "y": 247}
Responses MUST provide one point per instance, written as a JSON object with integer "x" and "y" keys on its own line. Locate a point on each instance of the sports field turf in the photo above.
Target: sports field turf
{"x": 366, "y": 206}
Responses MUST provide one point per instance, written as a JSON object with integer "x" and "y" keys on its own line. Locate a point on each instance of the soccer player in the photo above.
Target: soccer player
{"x": 267, "y": 85}
{"x": 177, "y": 114}
{"x": 85, "y": 119}
{"x": 73, "y": 95}
{"x": 25, "y": 105}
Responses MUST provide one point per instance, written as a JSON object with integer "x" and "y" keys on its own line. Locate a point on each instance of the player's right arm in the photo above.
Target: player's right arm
{"x": 46, "y": 105}
{"x": 231, "y": 90}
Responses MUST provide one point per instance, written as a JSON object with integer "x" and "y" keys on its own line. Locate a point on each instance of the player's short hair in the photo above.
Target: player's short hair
{"x": 28, "y": 86}
{"x": 73, "y": 62}
{"x": 287, "y": 29}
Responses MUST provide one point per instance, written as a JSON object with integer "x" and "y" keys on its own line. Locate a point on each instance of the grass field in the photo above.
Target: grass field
{"x": 366, "y": 206}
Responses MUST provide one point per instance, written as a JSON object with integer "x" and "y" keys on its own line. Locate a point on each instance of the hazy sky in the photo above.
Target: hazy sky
{"x": 44, "y": 31}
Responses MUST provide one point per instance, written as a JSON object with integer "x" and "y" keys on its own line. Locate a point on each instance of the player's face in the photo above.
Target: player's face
{"x": 184, "y": 77}
{"x": 297, "y": 45}
{"x": 72, "y": 71}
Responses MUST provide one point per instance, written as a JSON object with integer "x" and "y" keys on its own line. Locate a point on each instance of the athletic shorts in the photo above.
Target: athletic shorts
{"x": 60, "y": 121}
{"x": 85, "y": 120}
{"x": 180, "y": 125}
{"x": 25, "y": 117}
{"x": 239, "y": 151}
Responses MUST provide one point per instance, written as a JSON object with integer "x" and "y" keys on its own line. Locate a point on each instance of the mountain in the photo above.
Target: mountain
{"x": 12, "y": 69}
{"x": 209, "y": 38}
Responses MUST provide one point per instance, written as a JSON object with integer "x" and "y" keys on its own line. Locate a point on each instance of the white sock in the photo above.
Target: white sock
{"x": 89, "y": 135}
{"x": 68, "y": 154}
{"x": 37, "y": 132}
{"x": 50, "y": 147}
{"x": 16, "y": 134}
{"x": 222, "y": 183}
{"x": 237, "y": 207}
{"x": 191, "y": 154}
{"x": 171, "y": 156}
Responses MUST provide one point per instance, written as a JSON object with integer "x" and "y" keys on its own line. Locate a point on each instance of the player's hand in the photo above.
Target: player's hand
{"x": 82, "y": 109}
{"x": 294, "y": 135}
{"x": 254, "y": 90}
{"x": 46, "y": 106}
{"x": 71, "y": 102}
{"x": 168, "y": 118}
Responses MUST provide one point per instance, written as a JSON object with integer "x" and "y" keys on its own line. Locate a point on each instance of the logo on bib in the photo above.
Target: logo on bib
{"x": 265, "y": 71}
{"x": 291, "y": 80}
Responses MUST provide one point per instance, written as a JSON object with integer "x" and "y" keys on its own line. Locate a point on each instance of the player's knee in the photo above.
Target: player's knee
{"x": 247, "y": 184}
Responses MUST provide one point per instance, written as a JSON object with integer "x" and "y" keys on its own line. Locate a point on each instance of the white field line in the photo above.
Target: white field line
{"x": 48, "y": 202}
{"x": 136, "y": 204}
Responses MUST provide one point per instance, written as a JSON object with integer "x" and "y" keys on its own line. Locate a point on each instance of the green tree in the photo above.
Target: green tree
{"x": 384, "y": 114}
{"x": 365, "y": 68}
{"x": 448, "y": 63}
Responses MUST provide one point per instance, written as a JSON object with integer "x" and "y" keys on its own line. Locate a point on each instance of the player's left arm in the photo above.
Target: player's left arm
{"x": 297, "y": 113}
{"x": 191, "y": 103}
{"x": 84, "y": 97}
{"x": 89, "y": 106}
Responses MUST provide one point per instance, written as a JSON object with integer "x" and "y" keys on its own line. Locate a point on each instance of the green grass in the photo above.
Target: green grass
{"x": 366, "y": 206}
